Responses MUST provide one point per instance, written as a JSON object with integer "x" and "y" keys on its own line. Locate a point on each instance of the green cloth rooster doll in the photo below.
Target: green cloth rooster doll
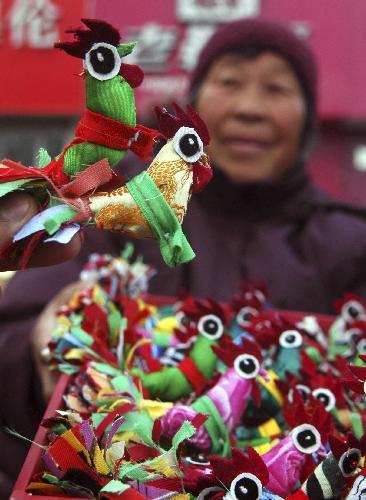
{"x": 75, "y": 187}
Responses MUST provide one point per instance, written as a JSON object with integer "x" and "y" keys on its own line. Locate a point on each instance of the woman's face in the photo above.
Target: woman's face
{"x": 255, "y": 111}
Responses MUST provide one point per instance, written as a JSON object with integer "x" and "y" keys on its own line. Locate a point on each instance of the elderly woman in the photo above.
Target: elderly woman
{"x": 260, "y": 217}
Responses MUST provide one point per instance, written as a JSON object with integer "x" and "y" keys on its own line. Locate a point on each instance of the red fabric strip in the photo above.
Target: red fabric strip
{"x": 67, "y": 458}
{"x": 192, "y": 373}
{"x": 30, "y": 246}
{"x": 94, "y": 176}
{"x": 153, "y": 364}
{"x": 100, "y": 129}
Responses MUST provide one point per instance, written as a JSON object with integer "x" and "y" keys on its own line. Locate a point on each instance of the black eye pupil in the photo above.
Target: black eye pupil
{"x": 324, "y": 398}
{"x": 290, "y": 339}
{"x": 246, "y": 316}
{"x": 353, "y": 311}
{"x": 198, "y": 459}
{"x": 246, "y": 489}
{"x": 350, "y": 463}
{"x": 306, "y": 439}
{"x": 210, "y": 326}
{"x": 304, "y": 394}
{"x": 189, "y": 145}
{"x": 247, "y": 366}
{"x": 102, "y": 60}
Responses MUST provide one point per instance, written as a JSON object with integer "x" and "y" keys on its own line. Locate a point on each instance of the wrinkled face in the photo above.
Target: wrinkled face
{"x": 255, "y": 111}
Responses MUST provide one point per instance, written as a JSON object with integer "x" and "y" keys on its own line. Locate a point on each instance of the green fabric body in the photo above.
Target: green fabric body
{"x": 203, "y": 356}
{"x": 174, "y": 246}
{"x": 170, "y": 384}
{"x": 81, "y": 156}
{"x": 287, "y": 360}
{"x": 214, "y": 426}
{"x": 113, "y": 98}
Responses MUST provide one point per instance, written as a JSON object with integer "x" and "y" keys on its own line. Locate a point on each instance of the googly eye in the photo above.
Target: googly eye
{"x": 290, "y": 339}
{"x": 183, "y": 320}
{"x": 352, "y": 334}
{"x": 103, "y": 61}
{"x": 303, "y": 390}
{"x": 245, "y": 316}
{"x": 188, "y": 145}
{"x": 198, "y": 459}
{"x": 210, "y": 326}
{"x": 246, "y": 366}
{"x": 306, "y": 438}
{"x": 246, "y": 486}
{"x": 349, "y": 462}
{"x": 352, "y": 310}
{"x": 326, "y": 397}
{"x": 209, "y": 492}
{"x": 361, "y": 346}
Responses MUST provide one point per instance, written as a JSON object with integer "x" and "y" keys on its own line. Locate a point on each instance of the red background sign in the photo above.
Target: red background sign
{"x": 336, "y": 31}
{"x": 42, "y": 81}
{"x": 37, "y": 80}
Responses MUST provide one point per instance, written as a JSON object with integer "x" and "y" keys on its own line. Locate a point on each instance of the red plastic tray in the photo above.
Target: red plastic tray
{"x": 33, "y": 461}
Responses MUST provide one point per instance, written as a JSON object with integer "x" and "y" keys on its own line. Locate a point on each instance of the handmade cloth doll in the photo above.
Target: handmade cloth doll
{"x": 78, "y": 187}
{"x": 331, "y": 477}
{"x": 209, "y": 320}
{"x": 293, "y": 456}
{"x": 225, "y": 402}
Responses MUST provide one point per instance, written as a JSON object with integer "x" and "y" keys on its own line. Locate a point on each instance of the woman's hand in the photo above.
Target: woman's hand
{"x": 15, "y": 210}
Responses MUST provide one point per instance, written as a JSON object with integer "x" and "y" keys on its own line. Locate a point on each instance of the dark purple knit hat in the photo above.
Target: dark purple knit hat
{"x": 262, "y": 34}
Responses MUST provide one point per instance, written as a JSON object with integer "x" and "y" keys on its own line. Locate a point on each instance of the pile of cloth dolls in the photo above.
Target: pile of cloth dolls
{"x": 189, "y": 398}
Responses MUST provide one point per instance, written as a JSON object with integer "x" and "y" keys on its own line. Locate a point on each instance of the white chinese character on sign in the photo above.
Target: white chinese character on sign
{"x": 155, "y": 46}
{"x": 215, "y": 11}
{"x": 195, "y": 38}
{"x": 33, "y": 23}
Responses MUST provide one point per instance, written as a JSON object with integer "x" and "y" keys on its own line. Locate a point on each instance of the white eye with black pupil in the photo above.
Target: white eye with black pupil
{"x": 349, "y": 462}
{"x": 246, "y": 366}
{"x": 361, "y": 346}
{"x": 188, "y": 145}
{"x": 210, "y": 326}
{"x": 306, "y": 438}
{"x": 326, "y": 397}
{"x": 103, "y": 61}
{"x": 290, "y": 339}
{"x": 199, "y": 459}
{"x": 246, "y": 486}
{"x": 352, "y": 310}
{"x": 245, "y": 316}
{"x": 182, "y": 320}
{"x": 208, "y": 493}
{"x": 352, "y": 334}
{"x": 303, "y": 390}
